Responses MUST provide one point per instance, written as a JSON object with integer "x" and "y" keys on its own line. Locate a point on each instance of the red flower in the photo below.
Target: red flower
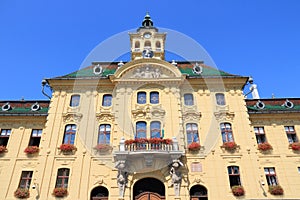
{"x": 141, "y": 140}
{"x": 194, "y": 146}
{"x": 264, "y": 146}
{"x": 276, "y": 190}
{"x": 3, "y": 149}
{"x": 22, "y": 193}
{"x": 295, "y": 146}
{"x": 60, "y": 192}
{"x": 32, "y": 149}
{"x": 103, "y": 147}
{"x": 237, "y": 190}
{"x": 167, "y": 141}
{"x": 128, "y": 142}
{"x": 155, "y": 140}
{"x": 229, "y": 145}
{"x": 67, "y": 148}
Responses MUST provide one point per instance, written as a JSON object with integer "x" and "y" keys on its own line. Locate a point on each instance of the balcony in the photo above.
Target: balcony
{"x": 145, "y": 155}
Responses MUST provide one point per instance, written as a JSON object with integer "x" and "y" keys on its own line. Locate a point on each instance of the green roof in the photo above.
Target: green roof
{"x": 23, "y": 108}
{"x": 277, "y": 105}
{"x": 184, "y": 67}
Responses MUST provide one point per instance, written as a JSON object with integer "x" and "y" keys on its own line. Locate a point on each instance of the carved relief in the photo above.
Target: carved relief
{"x": 224, "y": 116}
{"x": 148, "y": 112}
{"x": 72, "y": 117}
{"x": 149, "y": 71}
{"x": 105, "y": 115}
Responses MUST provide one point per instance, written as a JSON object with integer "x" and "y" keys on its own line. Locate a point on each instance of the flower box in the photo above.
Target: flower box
{"x": 295, "y": 146}
{"x": 32, "y": 149}
{"x": 238, "y": 190}
{"x": 60, "y": 192}
{"x": 194, "y": 146}
{"x": 3, "y": 149}
{"x": 67, "y": 148}
{"x": 276, "y": 190}
{"x": 264, "y": 146}
{"x": 229, "y": 145}
{"x": 103, "y": 147}
{"x": 22, "y": 193}
{"x": 129, "y": 142}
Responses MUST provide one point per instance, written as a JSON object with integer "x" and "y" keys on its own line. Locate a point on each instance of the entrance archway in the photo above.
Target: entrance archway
{"x": 148, "y": 189}
{"x": 198, "y": 192}
{"x": 99, "y": 193}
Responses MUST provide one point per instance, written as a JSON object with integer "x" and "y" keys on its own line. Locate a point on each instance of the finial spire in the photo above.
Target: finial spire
{"x": 147, "y": 22}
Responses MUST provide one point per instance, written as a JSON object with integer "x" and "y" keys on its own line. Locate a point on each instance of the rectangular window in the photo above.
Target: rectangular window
{"x": 69, "y": 136}
{"x": 25, "y": 180}
{"x": 188, "y": 99}
{"x": 220, "y": 98}
{"x": 75, "y": 100}
{"x": 226, "y": 131}
{"x": 271, "y": 175}
{"x": 62, "y": 178}
{"x": 4, "y": 136}
{"x": 155, "y": 129}
{"x": 141, "y": 97}
{"x": 192, "y": 133}
{"x": 154, "y": 97}
{"x": 260, "y": 135}
{"x": 234, "y": 175}
{"x": 291, "y": 134}
{"x": 196, "y": 167}
{"x": 35, "y": 137}
{"x": 104, "y": 134}
{"x": 141, "y": 130}
{"x": 107, "y": 100}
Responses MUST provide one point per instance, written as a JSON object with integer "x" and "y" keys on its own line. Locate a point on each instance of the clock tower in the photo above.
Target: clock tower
{"x": 147, "y": 42}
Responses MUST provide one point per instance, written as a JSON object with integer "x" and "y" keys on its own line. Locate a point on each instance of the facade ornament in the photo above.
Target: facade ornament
{"x": 176, "y": 176}
{"x": 72, "y": 117}
{"x": 122, "y": 177}
{"x": 105, "y": 116}
{"x": 224, "y": 115}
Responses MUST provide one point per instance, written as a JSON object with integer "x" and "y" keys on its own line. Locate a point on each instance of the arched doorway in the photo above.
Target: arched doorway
{"x": 198, "y": 192}
{"x": 99, "y": 193}
{"x": 148, "y": 189}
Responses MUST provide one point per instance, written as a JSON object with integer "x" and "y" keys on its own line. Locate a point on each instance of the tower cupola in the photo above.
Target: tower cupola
{"x": 147, "y": 42}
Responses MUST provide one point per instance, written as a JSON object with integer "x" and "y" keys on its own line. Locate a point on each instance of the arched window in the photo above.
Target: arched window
{"x": 220, "y": 99}
{"x": 104, "y": 134}
{"x": 192, "y": 133}
{"x": 147, "y": 44}
{"x": 154, "y": 97}
{"x": 99, "y": 193}
{"x": 107, "y": 99}
{"x": 62, "y": 178}
{"x": 69, "y": 135}
{"x": 157, "y": 44}
{"x": 155, "y": 129}
{"x": 141, "y": 129}
{"x": 198, "y": 192}
{"x": 226, "y": 131}
{"x": 234, "y": 175}
{"x": 141, "y": 97}
{"x": 75, "y": 100}
{"x": 137, "y": 45}
{"x": 188, "y": 99}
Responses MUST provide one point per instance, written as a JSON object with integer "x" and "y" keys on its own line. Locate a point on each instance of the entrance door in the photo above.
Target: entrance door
{"x": 149, "y": 196}
{"x": 148, "y": 189}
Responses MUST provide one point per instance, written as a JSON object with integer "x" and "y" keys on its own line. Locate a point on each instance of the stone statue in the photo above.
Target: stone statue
{"x": 122, "y": 181}
{"x": 176, "y": 176}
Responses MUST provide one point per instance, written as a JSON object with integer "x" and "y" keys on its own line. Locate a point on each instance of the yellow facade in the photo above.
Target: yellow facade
{"x": 176, "y": 105}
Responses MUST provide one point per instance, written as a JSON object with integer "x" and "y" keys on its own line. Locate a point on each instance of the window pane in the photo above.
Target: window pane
{"x": 192, "y": 133}
{"x": 141, "y": 98}
{"x": 69, "y": 136}
{"x": 141, "y": 130}
{"x": 155, "y": 129}
{"x": 220, "y": 99}
{"x": 75, "y": 99}
{"x": 107, "y": 100}
{"x": 154, "y": 97}
{"x": 104, "y": 134}
{"x": 188, "y": 99}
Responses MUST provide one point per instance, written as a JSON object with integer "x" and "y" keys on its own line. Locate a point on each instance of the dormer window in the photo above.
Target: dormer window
{"x": 137, "y": 46}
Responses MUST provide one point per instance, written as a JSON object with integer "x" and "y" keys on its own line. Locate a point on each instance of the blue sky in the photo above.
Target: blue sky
{"x": 43, "y": 39}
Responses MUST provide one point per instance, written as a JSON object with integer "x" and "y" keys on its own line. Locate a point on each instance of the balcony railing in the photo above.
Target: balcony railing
{"x": 148, "y": 147}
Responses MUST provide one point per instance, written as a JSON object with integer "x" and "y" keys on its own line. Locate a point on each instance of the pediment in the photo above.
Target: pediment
{"x": 147, "y": 69}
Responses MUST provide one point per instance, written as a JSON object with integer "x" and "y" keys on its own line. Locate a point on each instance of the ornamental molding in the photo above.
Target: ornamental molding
{"x": 72, "y": 117}
{"x": 148, "y": 112}
{"x": 105, "y": 115}
{"x": 191, "y": 115}
{"x": 224, "y": 115}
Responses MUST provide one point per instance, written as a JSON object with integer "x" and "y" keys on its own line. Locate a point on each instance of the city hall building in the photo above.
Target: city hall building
{"x": 150, "y": 129}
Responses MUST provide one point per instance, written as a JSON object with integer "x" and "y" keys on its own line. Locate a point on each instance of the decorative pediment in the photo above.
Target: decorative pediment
{"x": 72, "y": 117}
{"x": 105, "y": 115}
{"x": 148, "y": 112}
{"x": 148, "y": 71}
{"x": 191, "y": 115}
{"x": 224, "y": 115}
